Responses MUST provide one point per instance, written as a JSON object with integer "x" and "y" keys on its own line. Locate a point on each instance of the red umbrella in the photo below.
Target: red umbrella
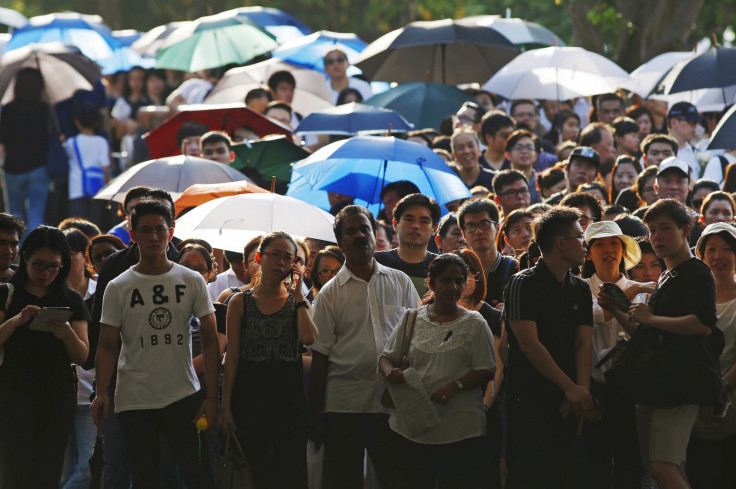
{"x": 161, "y": 141}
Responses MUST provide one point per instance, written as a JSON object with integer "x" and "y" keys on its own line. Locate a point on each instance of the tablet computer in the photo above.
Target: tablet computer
{"x": 47, "y": 314}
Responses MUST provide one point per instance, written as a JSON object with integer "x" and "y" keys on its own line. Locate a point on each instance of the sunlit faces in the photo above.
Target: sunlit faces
{"x": 9, "y": 242}
{"x": 666, "y": 238}
{"x": 466, "y": 151}
{"x": 672, "y": 184}
{"x": 190, "y": 146}
{"x": 358, "y": 240}
{"x": 251, "y": 265}
{"x": 570, "y": 129}
{"x": 573, "y": 246}
{"x": 648, "y": 191}
{"x": 645, "y": 126}
{"x": 519, "y": 234}
{"x": 448, "y": 287}
{"x": 523, "y": 154}
{"x": 606, "y": 253}
{"x": 606, "y": 148}
{"x": 513, "y": 196}
{"x": 718, "y": 255}
{"x": 718, "y": 211}
{"x": 194, "y": 260}
{"x": 218, "y": 152}
{"x": 284, "y": 91}
{"x": 580, "y": 171}
{"x": 657, "y": 153}
{"x": 609, "y": 110}
{"x": 526, "y": 114}
{"x": 415, "y": 227}
{"x": 480, "y": 231}
{"x": 452, "y": 241}
{"x": 465, "y": 117}
{"x": 152, "y": 234}
{"x": 43, "y": 266}
{"x": 625, "y": 177}
{"x": 648, "y": 269}
{"x": 277, "y": 259}
{"x": 629, "y": 142}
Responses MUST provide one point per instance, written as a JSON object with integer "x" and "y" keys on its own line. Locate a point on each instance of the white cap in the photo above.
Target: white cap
{"x": 674, "y": 162}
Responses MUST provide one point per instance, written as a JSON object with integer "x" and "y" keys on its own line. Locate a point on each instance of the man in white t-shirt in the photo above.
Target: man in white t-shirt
{"x": 682, "y": 121}
{"x": 149, "y": 307}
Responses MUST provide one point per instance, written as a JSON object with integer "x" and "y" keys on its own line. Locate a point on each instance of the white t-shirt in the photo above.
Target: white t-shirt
{"x": 714, "y": 170}
{"x": 355, "y": 319}
{"x": 726, "y": 312}
{"x": 95, "y": 153}
{"x": 152, "y": 311}
{"x": 362, "y": 86}
{"x": 222, "y": 282}
{"x": 442, "y": 353}
{"x": 687, "y": 154}
{"x": 193, "y": 91}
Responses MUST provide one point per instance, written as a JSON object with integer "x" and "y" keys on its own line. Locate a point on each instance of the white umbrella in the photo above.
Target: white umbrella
{"x": 519, "y": 31}
{"x": 557, "y": 73}
{"x": 645, "y": 78}
{"x": 12, "y": 18}
{"x": 173, "y": 173}
{"x": 150, "y": 42}
{"x": 228, "y": 223}
{"x": 705, "y": 99}
{"x": 311, "y": 94}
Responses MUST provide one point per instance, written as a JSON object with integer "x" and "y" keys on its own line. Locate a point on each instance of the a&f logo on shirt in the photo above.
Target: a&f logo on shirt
{"x": 160, "y": 318}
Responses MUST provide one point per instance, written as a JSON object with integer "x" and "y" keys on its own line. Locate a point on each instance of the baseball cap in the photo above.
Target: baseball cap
{"x": 684, "y": 110}
{"x": 586, "y": 153}
{"x": 715, "y": 228}
{"x": 676, "y": 163}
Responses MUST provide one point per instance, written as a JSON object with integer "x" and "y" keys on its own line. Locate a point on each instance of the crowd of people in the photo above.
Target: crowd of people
{"x": 469, "y": 344}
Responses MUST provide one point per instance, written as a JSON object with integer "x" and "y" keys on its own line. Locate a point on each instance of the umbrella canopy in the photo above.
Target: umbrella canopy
{"x": 12, "y": 18}
{"x": 422, "y": 104}
{"x": 126, "y": 37}
{"x": 309, "y": 51}
{"x": 525, "y": 34}
{"x": 213, "y": 41}
{"x": 557, "y": 73}
{"x": 123, "y": 59}
{"x": 311, "y": 92}
{"x": 711, "y": 69}
{"x": 199, "y": 193}
{"x": 270, "y": 157}
{"x": 64, "y": 68}
{"x": 353, "y": 118}
{"x": 150, "y": 42}
{"x": 161, "y": 141}
{"x": 284, "y": 27}
{"x": 452, "y": 53}
{"x": 645, "y": 78}
{"x": 363, "y": 165}
{"x": 228, "y": 223}
{"x": 705, "y": 99}
{"x": 724, "y": 135}
{"x": 174, "y": 174}
{"x": 87, "y": 32}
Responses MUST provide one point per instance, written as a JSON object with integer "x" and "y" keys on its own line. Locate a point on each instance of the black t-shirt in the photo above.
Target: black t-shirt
{"x": 492, "y": 317}
{"x": 501, "y": 272}
{"x": 555, "y": 199}
{"x": 485, "y": 178}
{"x": 24, "y": 132}
{"x": 37, "y": 359}
{"x": 557, "y": 309}
{"x": 417, "y": 272}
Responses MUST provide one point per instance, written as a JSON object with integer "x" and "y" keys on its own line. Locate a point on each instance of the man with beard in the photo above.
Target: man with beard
{"x": 355, "y": 315}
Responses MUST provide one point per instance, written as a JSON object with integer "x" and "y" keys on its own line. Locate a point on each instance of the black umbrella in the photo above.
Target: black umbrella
{"x": 724, "y": 135}
{"x": 711, "y": 69}
{"x": 450, "y": 52}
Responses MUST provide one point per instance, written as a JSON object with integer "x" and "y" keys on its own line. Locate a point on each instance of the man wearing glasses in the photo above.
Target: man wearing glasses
{"x": 512, "y": 191}
{"x": 478, "y": 220}
{"x": 336, "y": 67}
{"x": 581, "y": 167}
{"x": 549, "y": 317}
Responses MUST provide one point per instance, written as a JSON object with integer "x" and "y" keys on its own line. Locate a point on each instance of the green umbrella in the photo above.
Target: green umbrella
{"x": 266, "y": 158}
{"x": 213, "y": 41}
{"x": 423, "y": 104}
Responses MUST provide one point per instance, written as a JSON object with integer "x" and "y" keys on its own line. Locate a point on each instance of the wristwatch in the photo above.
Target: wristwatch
{"x": 459, "y": 385}
{"x": 301, "y": 304}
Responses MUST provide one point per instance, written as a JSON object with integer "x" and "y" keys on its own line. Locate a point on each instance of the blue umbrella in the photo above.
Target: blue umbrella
{"x": 363, "y": 165}
{"x": 87, "y": 32}
{"x": 282, "y": 25}
{"x": 353, "y": 118}
{"x": 127, "y": 37}
{"x": 309, "y": 51}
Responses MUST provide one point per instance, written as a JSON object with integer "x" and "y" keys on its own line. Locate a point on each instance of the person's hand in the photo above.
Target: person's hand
{"x": 296, "y": 285}
{"x": 577, "y": 400}
{"x": 208, "y": 410}
{"x": 605, "y": 301}
{"x": 60, "y": 329}
{"x": 499, "y": 306}
{"x": 100, "y": 407}
{"x": 641, "y": 313}
{"x": 395, "y": 376}
{"x": 444, "y": 394}
{"x": 227, "y": 422}
{"x": 28, "y": 313}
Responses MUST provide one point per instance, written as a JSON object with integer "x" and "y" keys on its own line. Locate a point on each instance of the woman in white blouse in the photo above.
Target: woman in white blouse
{"x": 451, "y": 350}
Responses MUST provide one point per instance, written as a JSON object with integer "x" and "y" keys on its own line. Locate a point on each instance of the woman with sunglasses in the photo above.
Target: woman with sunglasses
{"x": 263, "y": 393}
{"x": 37, "y": 384}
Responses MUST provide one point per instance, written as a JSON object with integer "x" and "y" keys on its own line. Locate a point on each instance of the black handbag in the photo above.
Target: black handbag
{"x": 231, "y": 467}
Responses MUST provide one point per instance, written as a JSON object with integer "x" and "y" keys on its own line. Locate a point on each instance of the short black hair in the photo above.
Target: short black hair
{"x": 631, "y": 225}
{"x": 86, "y": 114}
{"x": 213, "y": 137}
{"x": 607, "y": 97}
{"x": 280, "y": 77}
{"x": 258, "y": 93}
{"x": 418, "y": 199}
{"x": 189, "y": 129}
{"x": 401, "y": 187}
{"x": 196, "y": 241}
{"x": 89, "y": 228}
{"x": 658, "y": 138}
{"x": 591, "y": 134}
{"x": 507, "y": 177}
{"x": 584, "y": 199}
{"x": 12, "y": 224}
{"x": 671, "y": 208}
{"x": 348, "y": 211}
{"x": 135, "y": 193}
{"x": 492, "y": 121}
{"x": 553, "y": 223}
{"x": 549, "y": 178}
{"x": 203, "y": 252}
{"x": 278, "y": 104}
{"x": 475, "y": 206}
{"x": 161, "y": 194}
{"x": 446, "y": 223}
{"x": 624, "y": 125}
{"x": 479, "y": 111}
{"x": 522, "y": 101}
{"x": 149, "y": 207}
{"x": 520, "y": 134}
{"x": 234, "y": 256}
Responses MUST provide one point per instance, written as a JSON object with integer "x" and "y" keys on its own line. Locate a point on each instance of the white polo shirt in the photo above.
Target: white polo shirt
{"x": 355, "y": 319}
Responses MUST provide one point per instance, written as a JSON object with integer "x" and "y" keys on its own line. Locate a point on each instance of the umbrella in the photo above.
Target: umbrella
{"x": 646, "y": 77}
{"x": 161, "y": 141}
{"x": 527, "y": 35}
{"x": 174, "y": 174}
{"x": 284, "y": 27}
{"x": 361, "y": 166}
{"x": 199, "y": 193}
{"x": 353, "y": 118}
{"x": 309, "y": 51}
{"x": 270, "y": 157}
{"x": 422, "y": 104}
{"x": 123, "y": 59}
{"x": 711, "y": 69}
{"x": 213, "y": 41}
{"x": 557, "y": 73}
{"x": 228, "y": 223}
{"x": 724, "y": 135}
{"x": 12, "y": 18}
{"x": 311, "y": 92}
{"x": 64, "y": 67}
{"x": 150, "y": 42}
{"x": 452, "y": 53}
{"x": 87, "y": 32}
{"x": 705, "y": 99}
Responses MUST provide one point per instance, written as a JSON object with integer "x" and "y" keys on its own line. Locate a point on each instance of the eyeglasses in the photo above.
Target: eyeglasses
{"x": 40, "y": 267}
{"x": 158, "y": 231}
{"x": 583, "y": 220}
{"x": 97, "y": 257}
{"x": 327, "y": 273}
{"x": 484, "y": 225}
{"x": 279, "y": 255}
{"x": 199, "y": 270}
{"x": 513, "y": 192}
{"x": 332, "y": 61}
{"x": 523, "y": 147}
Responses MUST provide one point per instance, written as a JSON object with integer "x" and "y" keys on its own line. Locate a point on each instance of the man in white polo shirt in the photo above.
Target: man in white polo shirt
{"x": 355, "y": 314}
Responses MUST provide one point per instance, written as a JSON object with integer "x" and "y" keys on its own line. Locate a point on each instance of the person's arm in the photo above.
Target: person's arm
{"x": 211, "y": 353}
{"x": 198, "y": 361}
{"x": 492, "y": 388}
{"x": 305, "y": 326}
{"x": 689, "y": 325}
{"x": 317, "y": 387}
{"x": 472, "y": 380}
{"x": 234, "y": 320}
{"x": 526, "y": 334}
{"x": 7, "y": 328}
{"x": 74, "y": 337}
{"x": 390, "y": 371}
{"x": 108, "y": 351}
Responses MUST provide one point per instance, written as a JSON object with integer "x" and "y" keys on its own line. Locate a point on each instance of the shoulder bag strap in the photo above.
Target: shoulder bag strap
{"x": 403, "y": 341}
{"x": 79, "y": 156}
{"x": 405, "y": 357}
